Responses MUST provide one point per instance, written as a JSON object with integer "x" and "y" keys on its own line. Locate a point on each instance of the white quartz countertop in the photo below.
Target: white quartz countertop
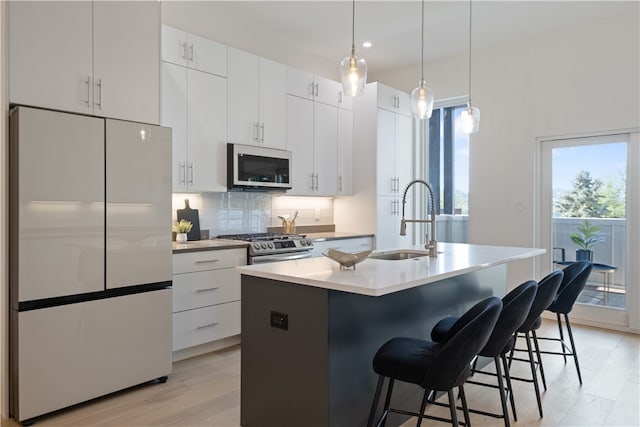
{"x": 208, "y": 245}
{"x": 376, "y": 277}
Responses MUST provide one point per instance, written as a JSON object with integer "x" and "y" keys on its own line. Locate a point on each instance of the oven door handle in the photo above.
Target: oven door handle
{"x": 274, "y": 258}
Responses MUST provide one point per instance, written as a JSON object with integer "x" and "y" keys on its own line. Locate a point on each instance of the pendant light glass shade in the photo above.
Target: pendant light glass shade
{"x": 422, "y": 96}
{"x": 470, "y": 119}
{"x": 353, "y": 70}
{"x": 422, "y": 101}
{"x": 353, "y": 74}
{"x": 471, "y": 115}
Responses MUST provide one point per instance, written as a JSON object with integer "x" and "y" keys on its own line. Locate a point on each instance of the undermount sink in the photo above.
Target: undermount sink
{"x": 399, "y": 254}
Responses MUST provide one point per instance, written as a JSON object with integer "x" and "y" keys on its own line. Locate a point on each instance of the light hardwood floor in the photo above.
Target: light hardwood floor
{"x": 205, "y": 391}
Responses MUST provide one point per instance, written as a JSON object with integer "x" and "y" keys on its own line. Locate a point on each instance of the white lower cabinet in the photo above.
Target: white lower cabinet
{"x": 206, "y": 296}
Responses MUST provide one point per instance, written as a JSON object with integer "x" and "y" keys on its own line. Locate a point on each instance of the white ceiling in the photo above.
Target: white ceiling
{"x": 312, "y": 33}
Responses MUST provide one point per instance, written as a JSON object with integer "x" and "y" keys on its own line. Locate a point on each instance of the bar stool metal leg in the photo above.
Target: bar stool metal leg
{"x": 534, "y": 375}
{"x": 503, "y": 397}
{"x": 387, "y": 402}
{"x": 573, "y": 347}
{"x": 535, "y": 343}
{"x": 422, "y": 407}
{"x": 509, "y": 386}
{"x": 561, "y": 337}
{"x": 376, "y": 399}
{"x": 465, "y": 408}
{"x": 452, "y": 408}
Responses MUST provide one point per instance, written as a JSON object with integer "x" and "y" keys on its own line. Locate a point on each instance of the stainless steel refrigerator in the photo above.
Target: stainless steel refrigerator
{"x": 90, "y": 258}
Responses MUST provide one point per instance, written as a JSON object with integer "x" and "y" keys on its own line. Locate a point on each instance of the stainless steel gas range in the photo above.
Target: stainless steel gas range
{"x": 273, "y": 247}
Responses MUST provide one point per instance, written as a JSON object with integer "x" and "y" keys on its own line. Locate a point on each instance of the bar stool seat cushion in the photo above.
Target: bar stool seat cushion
{"x": 405, "y": 359}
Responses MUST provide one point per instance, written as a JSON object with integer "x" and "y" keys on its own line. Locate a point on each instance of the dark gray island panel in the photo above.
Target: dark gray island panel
{"x": 318, "y": 372}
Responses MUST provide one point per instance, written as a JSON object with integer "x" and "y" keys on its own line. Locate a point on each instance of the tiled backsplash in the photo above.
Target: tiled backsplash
{"x": 239, "y": 212}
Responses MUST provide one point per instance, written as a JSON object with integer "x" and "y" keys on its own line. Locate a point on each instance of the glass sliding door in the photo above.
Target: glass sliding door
{"x": 588, "y": 195}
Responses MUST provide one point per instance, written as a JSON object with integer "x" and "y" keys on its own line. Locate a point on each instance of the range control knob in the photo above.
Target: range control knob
{"x": 256, "y": 246}
{"x": 309, "y": 242}
{"x": 270, "y": 245}
{"x": 264, "y": 245}
{"x": 303, "y": 242}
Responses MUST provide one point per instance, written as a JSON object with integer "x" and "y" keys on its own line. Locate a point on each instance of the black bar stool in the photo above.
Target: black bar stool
{"x": 434, "y": 366}
{"x": 547, "y": 289}
{"x": 573, "y": 282}
{"x": 515, "y": 308}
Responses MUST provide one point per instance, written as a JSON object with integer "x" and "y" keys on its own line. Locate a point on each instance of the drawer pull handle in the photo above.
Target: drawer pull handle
{"x": 203, "y": 261}
{"x": 206, "y": 326}
{"x": 207, "y": 289}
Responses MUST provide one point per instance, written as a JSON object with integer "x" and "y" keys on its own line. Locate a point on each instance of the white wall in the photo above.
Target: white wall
{"x": 583, "y": 79}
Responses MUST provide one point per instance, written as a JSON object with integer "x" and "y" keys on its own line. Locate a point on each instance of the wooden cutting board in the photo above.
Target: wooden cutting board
{"x": 190, "y": 215}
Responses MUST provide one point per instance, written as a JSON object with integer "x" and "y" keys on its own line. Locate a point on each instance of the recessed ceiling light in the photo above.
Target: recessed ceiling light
{"x": 366, "y": 44}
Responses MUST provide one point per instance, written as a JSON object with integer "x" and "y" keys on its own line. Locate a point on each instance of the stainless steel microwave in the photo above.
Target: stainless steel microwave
{"x": 252, "y": 168}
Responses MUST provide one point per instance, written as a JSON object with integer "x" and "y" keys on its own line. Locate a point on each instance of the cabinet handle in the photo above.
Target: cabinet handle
{"x": 256, "y": 125}
{"x": 340, "y": 97}
{"x": 317, "y": 182}
{"x": 88, "y": 82}
{"x": 204, "y": 261}
{"x": 182, "y": 172}
{"x": 191, "y": 52}
{"x": 340, "y": 184}
{"x": 207, "y": 325}
{"x": 190, "y": 177}
{"x": 317, "y": 90}
{"x": 208, "y": 289}
{"x": 184, "y": 51}
{"x": 99, "y": 85}
{"x": 262, "y": 137}
{"x": 313, "y": 89}
{"x": 398, "y": 102}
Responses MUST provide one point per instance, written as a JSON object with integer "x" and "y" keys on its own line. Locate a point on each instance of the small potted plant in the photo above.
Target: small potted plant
{"x": 181, "y": 229}
{"x": 588, "y": 235}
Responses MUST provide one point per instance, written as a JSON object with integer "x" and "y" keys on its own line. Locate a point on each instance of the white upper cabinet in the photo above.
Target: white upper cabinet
{"x": 344, "y": 101}
{"x": 194, "y": 106}
{"x": 345, "y": 152}
{"x": 98, "y": 58}
{"x": 312, "y": 137}
{"x": 257, "y": 100}
{"x": 300, "y": 143}
{"x": 50, "y": 54}
{"x": 325, "y": 148}
{"x": 300, "y": 83}
{"x": 308, "y": 86}
{"x": 126, "y": 60}
{"x": 190, "y": 50}
{"x": 394, "y": 100}
{"x": 327, "y": 91}
{"x": 273, "y": 103}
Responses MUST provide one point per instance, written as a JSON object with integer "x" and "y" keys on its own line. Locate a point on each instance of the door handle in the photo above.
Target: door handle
{"x": 99, "y": 85}
{"x": 182, "y": 173}
{"x": 190, "y": 177}
{"x": 88, "y": 82}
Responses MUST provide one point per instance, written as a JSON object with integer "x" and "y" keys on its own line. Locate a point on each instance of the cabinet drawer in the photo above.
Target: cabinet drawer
{"x": 208, "y": 260}
{"x": 206, "y": 324}
{"x": 204, "y": 288}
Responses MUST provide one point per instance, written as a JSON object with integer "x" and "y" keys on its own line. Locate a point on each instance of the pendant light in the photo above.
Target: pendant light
{"x": 471, "y": 115}
{"x": 422, "y": 96}
{"x": 353, "y": 70}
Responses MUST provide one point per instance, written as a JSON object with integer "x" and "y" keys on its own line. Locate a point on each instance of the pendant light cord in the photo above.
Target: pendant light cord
{"x": 353, "y": 26}
{"x": 422, "y": 41}
{"x": 469, "y": 52}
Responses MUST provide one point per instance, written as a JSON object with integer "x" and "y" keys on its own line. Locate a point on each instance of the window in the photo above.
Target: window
{"x": 448, "y": 160}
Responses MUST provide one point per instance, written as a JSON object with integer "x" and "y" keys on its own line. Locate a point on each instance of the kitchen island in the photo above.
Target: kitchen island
{"x": 310, "y": 330}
